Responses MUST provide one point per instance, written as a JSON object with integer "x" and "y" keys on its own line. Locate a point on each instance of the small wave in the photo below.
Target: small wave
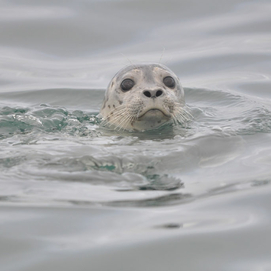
{"x": 120, "y": 173}
{"x": 216, "y": 111}
{"x": 47, "y": 119}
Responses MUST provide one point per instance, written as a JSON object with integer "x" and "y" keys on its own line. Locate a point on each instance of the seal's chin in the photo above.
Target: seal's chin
{"x": 152, "y": 118}
{"x": 153, "y": 113}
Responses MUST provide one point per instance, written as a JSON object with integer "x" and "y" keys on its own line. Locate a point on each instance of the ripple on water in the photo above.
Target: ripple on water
{"x": 55, "y": 144}
{"x": 44, "y": 118}
{"x": 229, "y": 113}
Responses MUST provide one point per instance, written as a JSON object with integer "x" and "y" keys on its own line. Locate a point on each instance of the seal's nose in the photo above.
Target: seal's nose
{"x": 153, "y": 93}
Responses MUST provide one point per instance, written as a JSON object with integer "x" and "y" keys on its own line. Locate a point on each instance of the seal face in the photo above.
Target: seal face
{"x": 143, "y": 97}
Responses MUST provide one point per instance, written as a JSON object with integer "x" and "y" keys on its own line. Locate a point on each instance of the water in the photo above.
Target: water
{"x": 78, "y": 196}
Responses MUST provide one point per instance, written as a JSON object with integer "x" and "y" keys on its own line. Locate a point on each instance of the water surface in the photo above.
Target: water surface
{"x": 77, "y": 196}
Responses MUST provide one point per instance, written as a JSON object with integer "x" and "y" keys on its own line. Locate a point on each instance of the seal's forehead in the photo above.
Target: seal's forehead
{"x": 147, "y": 69}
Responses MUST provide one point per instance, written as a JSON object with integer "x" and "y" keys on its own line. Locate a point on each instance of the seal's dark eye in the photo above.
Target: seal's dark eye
{"x": 127, "y": 84}
{"x": 169, "y": 82}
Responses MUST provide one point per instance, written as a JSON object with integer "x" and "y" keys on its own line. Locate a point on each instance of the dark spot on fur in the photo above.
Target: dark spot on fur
{"x": 120, "y": 102}
{"x": 108, "y": 118}
{"x": 114, "y": 106}
{"x": 112, "y": 84}
{"x": 108, "y": 106}
{"x": 111, "y": 113}
{"x": 159, "y": 121}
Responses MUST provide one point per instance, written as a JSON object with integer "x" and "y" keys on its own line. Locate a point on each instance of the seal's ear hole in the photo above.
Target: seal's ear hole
{"x": 169, "y": 82}
{"x": 127, "y": 84}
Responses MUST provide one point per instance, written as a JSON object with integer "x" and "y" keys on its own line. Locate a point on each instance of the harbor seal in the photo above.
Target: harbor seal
{"x": 143, "y": 97}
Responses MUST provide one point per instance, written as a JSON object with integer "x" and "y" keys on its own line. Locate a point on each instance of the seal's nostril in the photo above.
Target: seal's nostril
{"x": 147, "y": 93}
{"x": 153, "y": 93}
{"x": 159, "y": 93}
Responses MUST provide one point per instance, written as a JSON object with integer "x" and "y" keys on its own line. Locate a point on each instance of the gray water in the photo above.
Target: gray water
{"x": 78, "y": 196}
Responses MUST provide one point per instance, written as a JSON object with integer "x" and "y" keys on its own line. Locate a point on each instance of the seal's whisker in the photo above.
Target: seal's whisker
{"x": 118, "y": 122}
{"x": 119, "y": 111}
{"x": 116, "y": 115}
{"x": 104, "y": 121}
{"x": 175, "y": 120}
{"x": 113, "y": 122}
{"x": 123, "y": 122}
{"x": 164, "y": 49}
{"x": 127, "y": 58}
{"x": 187, "y": 112}
{"x": 180, "y": 117}
{"x": 132, "y": 119}
{"x": 128, "y": 120}
{"x": 166, "y": 108}
{"x": 181, "y": 114}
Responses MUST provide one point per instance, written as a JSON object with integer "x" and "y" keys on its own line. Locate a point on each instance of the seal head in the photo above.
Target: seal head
{"x": 143, "y": 97}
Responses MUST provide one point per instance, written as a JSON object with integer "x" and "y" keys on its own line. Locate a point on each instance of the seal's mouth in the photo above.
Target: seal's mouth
{"x": 154, "y": 112}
